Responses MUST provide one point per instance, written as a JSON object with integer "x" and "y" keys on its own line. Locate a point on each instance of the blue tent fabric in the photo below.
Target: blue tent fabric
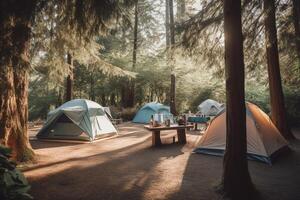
{"x": 144, "y": 114}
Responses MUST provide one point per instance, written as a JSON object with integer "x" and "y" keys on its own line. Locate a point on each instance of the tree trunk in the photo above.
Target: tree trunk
{"x": 236, "y": 179}
{"x": 80, "y": 93}
{"x": 92, "y": 88}
{"x": 172, "y": 28}
{"x": 23, "y": 148}
{"x": 60, "y": 98}
{"x": 14, "y": 114}
{"x": 15, "y": 35}
{"x": 112, "y": 99}
{"x": 9, "y": 124}
{"x": 69, "y": 88}
{"x": 167, "y": 24}
{"x": 103, "y": 99}
{"x": 172, "y": 95}
{"x": 173, "y": 79}
{"x": 135, "y": 32}
{"x": 180, "y": 10}
{"x": 131, "y": 95}
{"x": 124, "y": 94}
{"x": 278, "y": 113}
{"x": 296, "y": 21}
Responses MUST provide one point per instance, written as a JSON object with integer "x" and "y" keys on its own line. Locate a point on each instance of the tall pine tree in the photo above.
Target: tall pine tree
{"x": 236, "y": 179}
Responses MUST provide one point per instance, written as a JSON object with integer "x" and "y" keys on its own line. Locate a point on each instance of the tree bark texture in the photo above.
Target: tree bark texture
{"x": 92, "y": 87}
{"x": 15, "y": 35}
{"x": 172, "y": 95}
{"x": 180, "y": 10}
{"x": 135, "y": 35}
{"x": 278, "y": 112}
{"x": 131, "y": 92}
{"x": 103, "y": 99}
{"x": 173, "y": 78}
{"x": 112, "y": 99}
{"x": 296, "y": 21}
{"x": 172, "y": 28}
{"x": 167, "y": 24}
{"x": 236, "y": 179}
{"x": 70, "y": 77}
{"x": 125, "y": 94}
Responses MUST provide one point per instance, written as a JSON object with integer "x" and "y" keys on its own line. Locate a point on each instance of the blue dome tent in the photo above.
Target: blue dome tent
{"x": 144, "y": 114}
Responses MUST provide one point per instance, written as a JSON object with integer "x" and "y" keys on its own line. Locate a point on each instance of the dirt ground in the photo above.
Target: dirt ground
{"x": 127, "y": 167}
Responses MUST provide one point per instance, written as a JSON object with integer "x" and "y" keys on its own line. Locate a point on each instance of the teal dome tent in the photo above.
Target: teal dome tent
{"x": 144, "y": 114}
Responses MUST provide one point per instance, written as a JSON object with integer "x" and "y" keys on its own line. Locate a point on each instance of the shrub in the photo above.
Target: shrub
{"x": 260, "y": 97}
{"x": 115, "y": 111}
{"x": 127, "y": 114}
{"x": 292, "y": 103}
{"x": 13, "y": 184}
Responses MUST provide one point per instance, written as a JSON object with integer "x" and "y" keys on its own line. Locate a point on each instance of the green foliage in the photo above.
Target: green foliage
{"x": 102, "y": 63}
{"x": 44, "y": 93}
{"x": 259, "y": 95}
{"x": 292, "y": 101}
{"x": 13, "y": 184}
{"x": 39, "y": 105}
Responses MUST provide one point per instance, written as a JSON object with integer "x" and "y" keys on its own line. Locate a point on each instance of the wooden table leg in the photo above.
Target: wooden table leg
{"x": 189, "y": 128}
{"x": 181, "y": 136}
{"x": 196, "y": 126}
{"x": 156, "y": 138}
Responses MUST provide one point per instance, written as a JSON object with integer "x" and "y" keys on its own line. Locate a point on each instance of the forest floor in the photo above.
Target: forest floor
{"x": 127, "y": 167}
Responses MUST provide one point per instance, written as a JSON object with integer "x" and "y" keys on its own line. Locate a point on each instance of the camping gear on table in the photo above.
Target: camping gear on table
{"x": 151, "y": 121}
{"x": 264, "y": 141}
{"x": 168, "y": 123}
{"x": 158, "y": 117}
{"x": 77, "y": 119}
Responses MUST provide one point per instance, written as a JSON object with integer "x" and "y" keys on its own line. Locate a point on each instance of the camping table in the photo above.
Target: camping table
{"x": 197, "y": 119}
{"x": 156, "y": 133}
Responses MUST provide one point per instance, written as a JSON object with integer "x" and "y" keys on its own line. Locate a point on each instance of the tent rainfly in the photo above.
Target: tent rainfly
{"x": 264, "y": 141}
{"x": 77, "y": 119}
{"x": 144, "y": 114}
{"x": 210, "y": 107}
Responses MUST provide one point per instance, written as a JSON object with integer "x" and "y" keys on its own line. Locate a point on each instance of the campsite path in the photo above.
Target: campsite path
{"x": 127, "y": 167}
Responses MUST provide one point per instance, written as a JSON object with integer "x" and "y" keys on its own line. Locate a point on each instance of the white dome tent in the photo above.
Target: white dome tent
{"x": 77, "y": 119}
{"x": 210, "y": 107}
{"x": 264, "y": 141}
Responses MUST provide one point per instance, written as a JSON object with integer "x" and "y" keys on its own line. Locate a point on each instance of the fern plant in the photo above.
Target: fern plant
{"x": 13, "y": 184}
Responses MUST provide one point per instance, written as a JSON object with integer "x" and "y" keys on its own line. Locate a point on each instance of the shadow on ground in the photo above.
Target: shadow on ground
{"x": 280, "y": 181}
{"x": 127, "y": 173}
{"x": 127, "y": 167}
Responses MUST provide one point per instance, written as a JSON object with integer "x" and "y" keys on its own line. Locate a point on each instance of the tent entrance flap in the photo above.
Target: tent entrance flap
{"x": 64, "y": 127}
